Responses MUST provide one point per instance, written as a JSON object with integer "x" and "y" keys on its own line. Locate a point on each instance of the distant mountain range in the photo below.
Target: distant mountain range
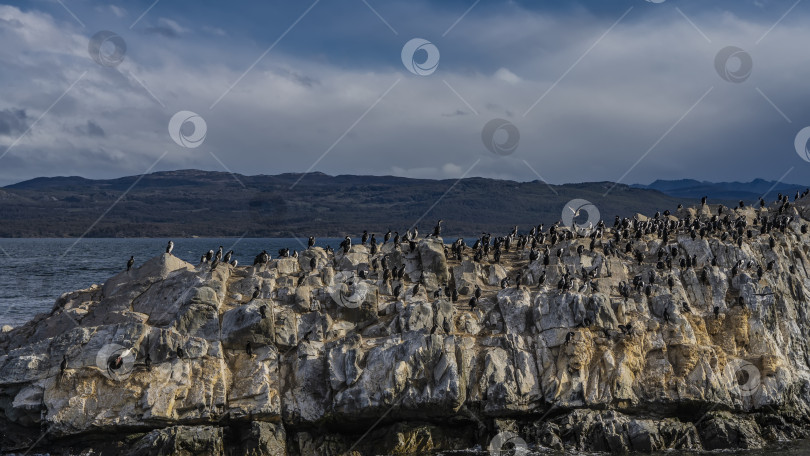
{"x": 209, "y": 204}
{"x": 747, "y": 191}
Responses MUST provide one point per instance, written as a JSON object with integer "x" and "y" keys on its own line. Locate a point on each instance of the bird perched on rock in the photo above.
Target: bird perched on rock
{"x": 473, "y": 302}
{"x": 180, "y": 353}
{"x": 263, "y": 311}
{"x": 248, "y": 349}
{"x": 686, "y": 308}
{"x": 148, "y": 362}
{"x": 170, "y": 247}
{"x": 568, "y": 337}
{"x": 437, "y": 230}
{"x": 477, "y": 291}
{"x": 130, "y": 263}
{"x": 311, "y": 242}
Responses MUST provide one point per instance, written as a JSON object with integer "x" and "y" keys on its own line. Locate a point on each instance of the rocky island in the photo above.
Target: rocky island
{"x": 684, "y": 330}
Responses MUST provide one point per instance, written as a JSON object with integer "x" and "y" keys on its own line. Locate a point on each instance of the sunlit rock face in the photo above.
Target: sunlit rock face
{"x": 334, "y": 355}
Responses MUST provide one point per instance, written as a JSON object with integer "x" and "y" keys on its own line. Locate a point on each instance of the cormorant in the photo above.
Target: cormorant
{"x": 313, "y": 263}
{"x": 397, "y": 290}
{"x": 686, "y": 307}
{"x": 169, "y": 247}
{"x": 180, "y": 353}
{"x": 311, "y": 242}
{"x": 437, "y": 230}
{"x": 568, "y": 337}
{"x": 256, "y": 293}
{"x": 148, "y": 362}
{"x": 477, "y": 291}
{"x": 248, "y": 349}
{"x": 473, "y": 302}
{"x": 263, "y": 311}
{"x": 387, "y": 237}
{"x": 716, "y": 311}
{"x": 130, "y": 263}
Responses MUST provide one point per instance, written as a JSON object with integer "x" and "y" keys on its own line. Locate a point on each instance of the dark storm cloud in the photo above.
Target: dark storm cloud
{"x": 13, "y": 121}
{"x": 91, "y": 129}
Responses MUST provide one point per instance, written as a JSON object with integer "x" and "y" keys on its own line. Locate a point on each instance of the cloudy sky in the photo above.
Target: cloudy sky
{"x": 627, "y": 90}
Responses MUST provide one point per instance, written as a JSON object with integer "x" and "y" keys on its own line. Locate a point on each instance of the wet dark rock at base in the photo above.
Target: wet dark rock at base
{"x": 323, "y": 362}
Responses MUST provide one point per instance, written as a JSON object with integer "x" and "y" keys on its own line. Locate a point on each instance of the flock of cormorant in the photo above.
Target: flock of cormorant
{"x": 542, "y": 245}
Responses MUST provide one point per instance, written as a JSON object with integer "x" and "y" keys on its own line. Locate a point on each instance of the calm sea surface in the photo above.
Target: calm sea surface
{"x": 35, "y": 272}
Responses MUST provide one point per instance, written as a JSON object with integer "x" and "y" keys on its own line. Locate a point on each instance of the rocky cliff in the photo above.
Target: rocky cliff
{"x": 684, "y": 331}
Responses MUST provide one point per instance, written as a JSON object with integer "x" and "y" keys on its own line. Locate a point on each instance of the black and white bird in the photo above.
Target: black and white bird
{"x": 437, "y": 230}
{"x": 170, "y": 247}
{"x": 130, "y": 263}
